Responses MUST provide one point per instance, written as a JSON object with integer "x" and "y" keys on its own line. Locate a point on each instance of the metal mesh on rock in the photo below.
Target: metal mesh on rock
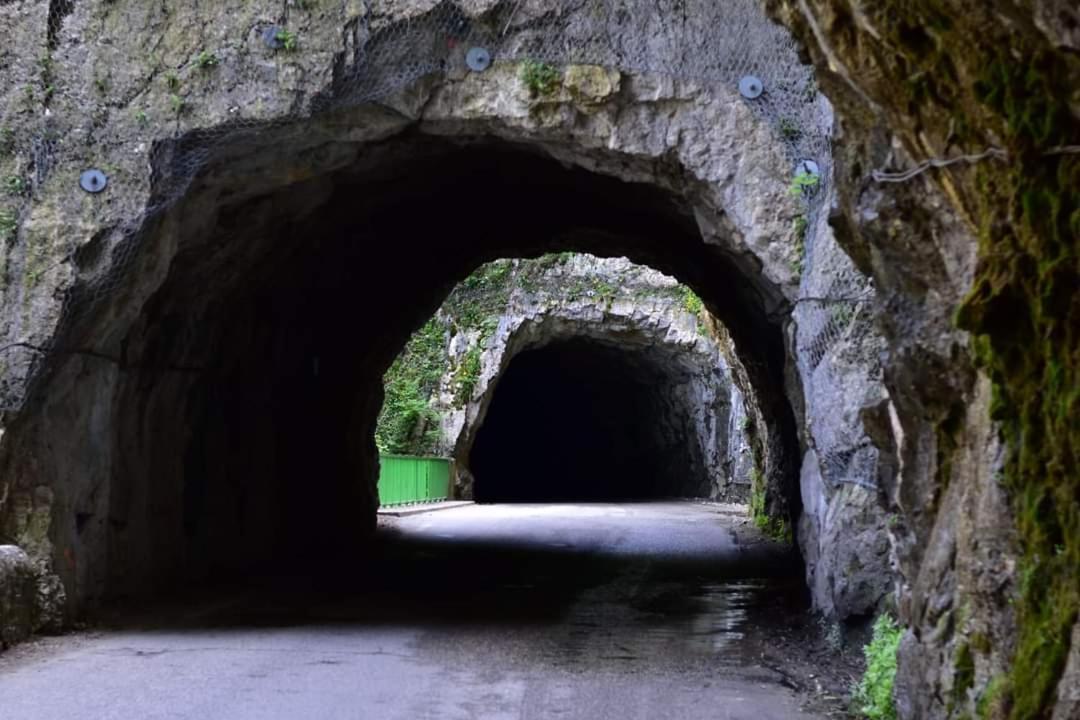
{"x": 721, "y": 47}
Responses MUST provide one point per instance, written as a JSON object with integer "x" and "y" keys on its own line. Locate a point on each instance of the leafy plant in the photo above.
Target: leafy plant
{"x": 176, "y": 103}
{"x": 540, "y": 78}
{"x": 407, "y": 421}
{"x": 872, "y": 696}
{"x": 287, "y": 38}
{"x": 141, "y": 117}
{"x": 804, "y": 183}
{"x": 467, "y": 375}
{"x": 172, "y": 81}
{"x": 14, "y": 185}
{"x": 206, "y": 60}
{"x": 691, "y": 302}
{"x": 8, "y": 224}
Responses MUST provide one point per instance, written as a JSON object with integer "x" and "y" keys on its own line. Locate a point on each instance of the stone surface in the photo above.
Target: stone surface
{"x": 18, "y": 596}
{"x": 633, "y": 309}
{"x": 240, "y": 348}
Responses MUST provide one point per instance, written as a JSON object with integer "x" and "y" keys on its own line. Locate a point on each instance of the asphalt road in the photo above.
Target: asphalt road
{"x": 572, "y": 611}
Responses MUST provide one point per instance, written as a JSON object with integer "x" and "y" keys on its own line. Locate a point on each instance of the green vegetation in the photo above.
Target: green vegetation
{"x": 206, "y": 60}
{"x": 540, "y": 78}
{"x": 776, "y": 528}
{"x": 467, "y": 374}
{"x": 789, "y": 129}
{"x": 172, "y": 82}
{"x": 141, "y": 117}
{"x": 804, "y": 183}
{"x": 288, "y": 39}
{"x": 177, "y": 104}
{"x": 872, "y": 697}
{"x": 9, "y": 223}
{"x": 691, "y": 302}
{"x": 407, "y": 423}
{"x": 15, "y": 185}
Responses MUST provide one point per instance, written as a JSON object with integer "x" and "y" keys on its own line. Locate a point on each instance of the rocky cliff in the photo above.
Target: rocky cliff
{"x": 227, "y": 272}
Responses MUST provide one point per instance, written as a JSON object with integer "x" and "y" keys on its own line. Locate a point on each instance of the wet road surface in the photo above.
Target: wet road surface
{"x": 587, "y": 612}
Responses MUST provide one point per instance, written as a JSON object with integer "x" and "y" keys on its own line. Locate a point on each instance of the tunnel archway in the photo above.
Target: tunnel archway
{"x": 577, "y": 420}
{"x": 250, "y": 380}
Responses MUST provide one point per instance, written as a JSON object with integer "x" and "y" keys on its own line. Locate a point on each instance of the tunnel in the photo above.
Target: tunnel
{"x": 239, "y": 420}
{"x": 580, "y": 421}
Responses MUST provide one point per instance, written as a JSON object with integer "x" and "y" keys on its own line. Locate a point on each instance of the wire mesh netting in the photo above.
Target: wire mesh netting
{"x": 727, "y": 49}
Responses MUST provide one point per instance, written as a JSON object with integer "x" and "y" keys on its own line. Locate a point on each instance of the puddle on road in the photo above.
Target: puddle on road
{"x": 710, "y": 620}
{"x": 685, "y": 623}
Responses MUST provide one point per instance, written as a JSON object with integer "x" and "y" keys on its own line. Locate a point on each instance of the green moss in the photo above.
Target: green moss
{"x": 872, "y": 698}
{"x": 1024, "y": 307}
{"x": 989, "y": 702}
{"x": 776, "y": 528}
{"x": 1024, "y": 311}
{"x": 963, "y": 675}
{"x": 540, "y": 78}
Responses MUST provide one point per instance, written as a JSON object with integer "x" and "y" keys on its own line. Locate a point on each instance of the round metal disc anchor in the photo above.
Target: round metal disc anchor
{"x": 478, "y": 59}
{"x": 93, "y": 181}
{"x": 271, "y": 37}
{"x": 751, "y": 87}
{"x": 809, "y": 167}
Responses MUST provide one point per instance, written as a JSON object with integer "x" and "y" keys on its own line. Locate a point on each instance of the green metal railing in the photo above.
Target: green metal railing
{"x": 404, "y": 479}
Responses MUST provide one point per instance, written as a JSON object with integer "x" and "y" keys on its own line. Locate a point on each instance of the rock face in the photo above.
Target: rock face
{"x": 990, "y": 606}
{"x": 224, "y": 311}
{"x": 17, "y": 596}
{"x": 616, "y": 304}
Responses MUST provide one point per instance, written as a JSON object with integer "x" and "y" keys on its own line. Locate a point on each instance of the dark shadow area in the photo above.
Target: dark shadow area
{"x": 582, "y": 421}
{"x": 240, "y": 437}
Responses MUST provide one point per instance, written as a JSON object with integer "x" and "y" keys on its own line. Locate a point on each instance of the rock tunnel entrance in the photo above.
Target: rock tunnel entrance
{"x": 239, "y": 411}
{"x": 581, "y": 421}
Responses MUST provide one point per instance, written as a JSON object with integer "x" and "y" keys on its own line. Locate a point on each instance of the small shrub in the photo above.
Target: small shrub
{"x": 14, "y": 185}
{"x": 691, "y": 302}
{"x": 206, "y": 60}
{"x": 288, "y": 39}
{"x": 872, "y": 697}
{"x": 541, "y": 78}
{"x": 804, "y": 183}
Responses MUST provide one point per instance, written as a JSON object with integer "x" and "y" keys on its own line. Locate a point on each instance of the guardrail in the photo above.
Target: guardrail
{"x": 405, "y": 479}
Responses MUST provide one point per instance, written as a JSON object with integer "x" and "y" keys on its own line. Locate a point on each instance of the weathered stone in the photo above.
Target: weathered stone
{"x": 18, "y": 596}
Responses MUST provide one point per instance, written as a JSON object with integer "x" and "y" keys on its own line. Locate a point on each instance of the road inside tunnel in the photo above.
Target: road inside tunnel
{"x": 639, "y": 610}
{"x": 581, "y": 420}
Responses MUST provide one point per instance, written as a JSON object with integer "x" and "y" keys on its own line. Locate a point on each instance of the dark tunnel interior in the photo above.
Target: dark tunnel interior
{"x": 581, "y": 421}
{"x": 243, "y": 424}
